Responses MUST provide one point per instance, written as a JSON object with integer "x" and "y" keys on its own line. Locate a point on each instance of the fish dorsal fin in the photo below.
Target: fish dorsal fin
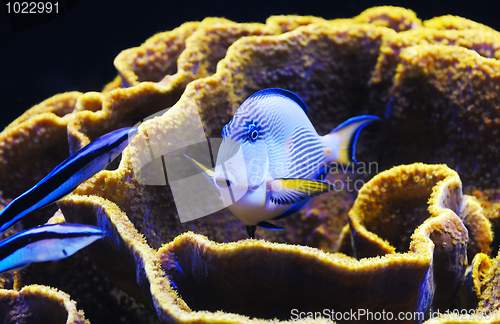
{"x": 283, "y": 93}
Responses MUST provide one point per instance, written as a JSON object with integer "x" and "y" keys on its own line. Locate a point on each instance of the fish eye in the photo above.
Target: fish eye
{"x": 253, "y": 133}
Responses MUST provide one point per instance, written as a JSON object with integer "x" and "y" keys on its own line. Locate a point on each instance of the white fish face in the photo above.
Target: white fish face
{"x": 255, "y": 206}
{"x": 240, "y": 167}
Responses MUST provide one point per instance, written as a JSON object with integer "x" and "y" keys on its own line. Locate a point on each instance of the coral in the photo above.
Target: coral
{"x": 204, "y": 272}
{"x": 454, "y": 22}
{"x": 38, "y": 304}
{"x": 32, "y": 145}
{"x": 303, "y": 278}
{"x": 395, "y": 18}
{"x": 211, "y": 101}
{"x": 485, "y": 43}
{"x": 486, "y": 284}
{"x": 489, "y": 200}
{"x": 460, "y": 124}
{"x": 416, "y": 235}
{"x": 40, "y": 131}
{"x": 480, "y": 293}
{"x": 159, "y": 69}
{"x": 396, "y": 201}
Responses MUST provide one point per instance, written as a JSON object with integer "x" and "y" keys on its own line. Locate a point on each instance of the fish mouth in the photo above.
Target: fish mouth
{"x": 227, "y": 184}
{"x": 222, "y": 183}
{"x": 224, "y": 179}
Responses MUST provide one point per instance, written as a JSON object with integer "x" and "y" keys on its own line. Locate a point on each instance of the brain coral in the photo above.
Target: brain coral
{"x": 415, "y": 238}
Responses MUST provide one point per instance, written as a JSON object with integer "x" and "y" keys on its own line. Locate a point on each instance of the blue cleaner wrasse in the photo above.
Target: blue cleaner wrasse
{"x": 45, "y": 243}
{"x": 68, "y": 175}
{"x": 272, "y": 161}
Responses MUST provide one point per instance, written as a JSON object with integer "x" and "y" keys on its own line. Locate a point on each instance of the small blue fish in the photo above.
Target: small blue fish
{"x": 45, "y": 243}
{"x": 272, "y": 161}
{"x": 68, "y": 175}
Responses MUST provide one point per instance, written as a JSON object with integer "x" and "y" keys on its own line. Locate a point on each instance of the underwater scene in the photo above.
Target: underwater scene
{"x": 294, "y": 162}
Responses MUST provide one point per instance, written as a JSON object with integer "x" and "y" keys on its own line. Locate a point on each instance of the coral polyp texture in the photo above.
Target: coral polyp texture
{"x": 410, "y": 230}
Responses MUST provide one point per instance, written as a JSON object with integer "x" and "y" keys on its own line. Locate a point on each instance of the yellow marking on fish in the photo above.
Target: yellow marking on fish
{"x": 305, "y": 186}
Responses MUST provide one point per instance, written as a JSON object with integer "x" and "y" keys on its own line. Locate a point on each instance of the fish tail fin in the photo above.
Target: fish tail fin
{"x": 341, "y": 142}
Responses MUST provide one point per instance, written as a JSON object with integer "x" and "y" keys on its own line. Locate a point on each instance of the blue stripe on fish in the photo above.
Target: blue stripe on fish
{"x": 265, "y": 120}
{"x": 281, "y": 92}
{"x": 45, "y": 243}
{"x": 68, "y": 175}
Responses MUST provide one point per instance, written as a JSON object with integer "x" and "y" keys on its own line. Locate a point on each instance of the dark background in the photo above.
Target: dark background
{"x": 75, "y": 50}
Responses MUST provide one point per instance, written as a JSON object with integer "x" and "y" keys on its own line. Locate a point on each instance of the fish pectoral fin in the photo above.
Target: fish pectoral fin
{"x": 210, "y": 173}
{"x": 291, "y": 191}
{"x": 270, "y": 226}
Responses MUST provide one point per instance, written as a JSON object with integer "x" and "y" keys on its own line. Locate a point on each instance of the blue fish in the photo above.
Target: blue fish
{"x": 272, "y": 161}
{"x": 45, "y": 243}
{"x": 68, "y": 175}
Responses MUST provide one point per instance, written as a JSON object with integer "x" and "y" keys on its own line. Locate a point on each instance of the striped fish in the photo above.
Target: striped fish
{"x": 272, "y": 161}
{"x": 68, "y": 175}
{"x": 45, "y": 243}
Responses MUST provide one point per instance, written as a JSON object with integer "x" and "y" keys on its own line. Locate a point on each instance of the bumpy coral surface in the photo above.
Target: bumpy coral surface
{"x": 38, "y": 304}
{"x": 414, "y": 239}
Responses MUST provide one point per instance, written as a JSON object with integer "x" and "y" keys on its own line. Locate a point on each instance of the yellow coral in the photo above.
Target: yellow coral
{"x": 395, "y": 18}
{"x": 39, "y": 304}
{"x": 461, "y": 121}
{"x": 39, "y": 130}
{"x": 455, "y": 22}
{"x": 394, "y": 202}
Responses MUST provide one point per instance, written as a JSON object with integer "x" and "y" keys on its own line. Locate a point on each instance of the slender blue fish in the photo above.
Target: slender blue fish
{"x": 272, "y": 161}
{"x": 45, "y": 243}
{"x": 68, "y": 175}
